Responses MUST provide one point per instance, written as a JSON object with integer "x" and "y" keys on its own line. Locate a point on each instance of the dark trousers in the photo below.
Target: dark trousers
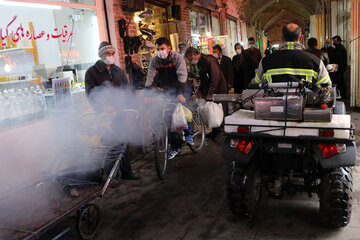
{"x": 339, "y": 79}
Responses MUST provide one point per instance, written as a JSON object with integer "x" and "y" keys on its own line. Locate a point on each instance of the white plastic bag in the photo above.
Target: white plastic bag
{"x": 212, "y": 114}
{"x": 178, "y": 119}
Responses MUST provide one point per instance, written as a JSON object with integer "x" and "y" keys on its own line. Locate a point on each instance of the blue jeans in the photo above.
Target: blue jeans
{"x": 187, "y": 132}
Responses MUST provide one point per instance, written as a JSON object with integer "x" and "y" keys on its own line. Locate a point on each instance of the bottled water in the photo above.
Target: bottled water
{"x": 28, "y": 106}
{"x": 34, "y": 100}
{"x": 20, "y": 99}
{"x": 15, "y": 107}
{"x": 7, "y": 106}
{"x": 2, "y": 116}
{"x": 41, "y": 97}
{"x": 14, "y": 104}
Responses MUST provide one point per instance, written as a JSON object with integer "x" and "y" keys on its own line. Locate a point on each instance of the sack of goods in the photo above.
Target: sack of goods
{"x": 212, "y": 114}
{"x": 179, "y": 119}
{"x": 188, "y": 114}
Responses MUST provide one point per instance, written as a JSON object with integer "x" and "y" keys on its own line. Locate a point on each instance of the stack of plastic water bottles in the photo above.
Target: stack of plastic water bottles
{"x": 21, "y": 102}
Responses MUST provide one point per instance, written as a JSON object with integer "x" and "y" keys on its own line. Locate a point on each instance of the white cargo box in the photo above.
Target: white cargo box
{"x": 247, "y": 118}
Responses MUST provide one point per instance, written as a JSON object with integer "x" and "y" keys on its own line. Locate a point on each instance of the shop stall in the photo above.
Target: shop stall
{"x": 41, "y": 43}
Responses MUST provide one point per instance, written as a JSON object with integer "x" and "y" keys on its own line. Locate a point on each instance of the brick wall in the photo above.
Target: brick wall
{"x": 184, "y": 28}
{"x": 185, "y": 17}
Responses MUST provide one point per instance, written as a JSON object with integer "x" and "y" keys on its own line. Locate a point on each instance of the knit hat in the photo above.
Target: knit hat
{"x": 105, "y": 47}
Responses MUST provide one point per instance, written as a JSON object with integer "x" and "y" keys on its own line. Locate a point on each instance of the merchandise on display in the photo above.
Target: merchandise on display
{"x": 21, "y": 102}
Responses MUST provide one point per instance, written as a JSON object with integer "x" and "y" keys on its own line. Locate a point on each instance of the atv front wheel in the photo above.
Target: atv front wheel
{"x": 244, "y": 189}
{"x": 336, "y": 197}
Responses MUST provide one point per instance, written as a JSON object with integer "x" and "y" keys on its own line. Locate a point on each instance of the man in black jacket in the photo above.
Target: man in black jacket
{"x": 212, "y": 80}
{"x": 225, "y": 65}
{"x": 340, "y": 58}
{"x": 312, "y": 48}
{"x": 102, "y": 73}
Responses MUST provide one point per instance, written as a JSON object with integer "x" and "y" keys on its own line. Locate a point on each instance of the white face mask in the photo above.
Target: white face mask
{"x": 194, "y": 61}
{"x": 238, "y": 51}
{"x": 252, "y": 46}
{"x": 162, "y": 54}
{"x": 215, "y": 55}
{"x": 109, "y": 60}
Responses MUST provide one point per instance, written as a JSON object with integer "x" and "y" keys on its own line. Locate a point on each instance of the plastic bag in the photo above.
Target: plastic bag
{"x": 212, "y": 114}
{"x": 178, "y": 119}
{"x": 188, "y": 114}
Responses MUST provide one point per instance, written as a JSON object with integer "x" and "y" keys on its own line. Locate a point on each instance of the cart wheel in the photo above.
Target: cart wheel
{"x": 199, "y": 132}
{"x": 88, "y": 221}
{"x": 161, "y": 150}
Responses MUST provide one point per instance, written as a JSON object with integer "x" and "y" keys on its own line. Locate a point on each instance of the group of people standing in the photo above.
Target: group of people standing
{"x": 218, "y": 73}
{"x": 239, "y": 71}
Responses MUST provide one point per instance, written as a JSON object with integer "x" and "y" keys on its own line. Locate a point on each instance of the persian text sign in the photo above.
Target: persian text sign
{"x": 20, "y": 32}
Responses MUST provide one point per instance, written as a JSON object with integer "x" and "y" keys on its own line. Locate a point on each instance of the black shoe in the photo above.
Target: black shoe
{"x": 131, "y": 177}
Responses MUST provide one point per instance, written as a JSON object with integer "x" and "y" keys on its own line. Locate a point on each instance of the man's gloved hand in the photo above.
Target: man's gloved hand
{"x": 181, "y": 98}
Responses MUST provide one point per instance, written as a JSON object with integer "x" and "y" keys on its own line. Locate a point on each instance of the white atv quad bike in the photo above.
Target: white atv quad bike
{"x": 288, "y": 138}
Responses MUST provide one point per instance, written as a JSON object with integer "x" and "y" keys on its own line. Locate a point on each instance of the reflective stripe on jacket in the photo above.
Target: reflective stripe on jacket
{"x": 292, "y": 64}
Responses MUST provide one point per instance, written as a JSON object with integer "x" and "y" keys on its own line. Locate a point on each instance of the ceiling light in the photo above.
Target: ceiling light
{"x": 24, "y": 4}
{"x": 7, "y": 68}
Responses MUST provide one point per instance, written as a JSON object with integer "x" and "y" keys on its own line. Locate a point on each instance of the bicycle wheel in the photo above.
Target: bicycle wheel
{"x": 161, "y": 150}
{"x": 199, "y": 132}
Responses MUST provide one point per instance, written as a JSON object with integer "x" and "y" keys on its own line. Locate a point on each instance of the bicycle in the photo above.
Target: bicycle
{"x": 162, "y": 136}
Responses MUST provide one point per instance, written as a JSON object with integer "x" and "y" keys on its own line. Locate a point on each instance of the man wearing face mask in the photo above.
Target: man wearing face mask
{"x": 106, "y": 72}
{"x": 168, "y": 71}
{"x": 212, "y": 80}
{"x": 243, "y": 69}
{"x": 225, "y": 65}
{"x": 253, "y": 52}
{"x": 329, "y": 50}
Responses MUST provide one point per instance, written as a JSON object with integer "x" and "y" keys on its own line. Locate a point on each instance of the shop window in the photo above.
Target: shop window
{"x": 194, "y": 23}
{"x": 156, "y": 24}
{"x": 204, "y": 23}
{"x": 215, "y": 26}
{"x": 200, "y": 28}
{"x": 231, "y": 31}
{"x": 65, "y": 38}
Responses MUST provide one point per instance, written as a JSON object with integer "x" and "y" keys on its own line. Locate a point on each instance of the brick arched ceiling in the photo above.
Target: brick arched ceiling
{"x": 271, "y": 15}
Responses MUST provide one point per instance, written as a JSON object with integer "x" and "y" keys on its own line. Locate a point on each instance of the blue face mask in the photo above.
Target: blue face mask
{"x": 327, "y": 45}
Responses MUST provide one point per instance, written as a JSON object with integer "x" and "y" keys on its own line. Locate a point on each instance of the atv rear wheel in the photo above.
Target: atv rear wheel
{"x": 244, "y": 189}
{"x": 336, "y": 197}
